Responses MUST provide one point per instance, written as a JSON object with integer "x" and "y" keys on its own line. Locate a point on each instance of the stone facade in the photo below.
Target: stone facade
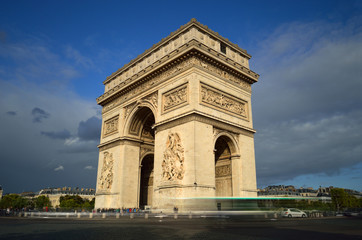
{"x": 177, "y": 124}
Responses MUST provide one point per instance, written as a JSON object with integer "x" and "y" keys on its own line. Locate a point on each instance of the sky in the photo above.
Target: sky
{"x": 307, "y": 104}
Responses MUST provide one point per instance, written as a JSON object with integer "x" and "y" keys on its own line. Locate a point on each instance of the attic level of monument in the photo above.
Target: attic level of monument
{"x": 191, "y": 39}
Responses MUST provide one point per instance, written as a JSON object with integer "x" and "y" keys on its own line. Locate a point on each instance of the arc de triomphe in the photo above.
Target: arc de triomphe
{"x": 177, "y": 124}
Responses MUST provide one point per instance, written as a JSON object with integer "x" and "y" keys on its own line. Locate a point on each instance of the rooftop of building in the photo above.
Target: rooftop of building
{"x": 68, "y": 190}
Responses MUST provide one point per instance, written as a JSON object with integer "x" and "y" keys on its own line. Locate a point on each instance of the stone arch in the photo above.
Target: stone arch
{"x": 231, "y": 141}
{"x": 225, "y": 149}
{"x": 146, "y": 180}
{"x": 139, "y": 122}
{"x": 139, "y": 128}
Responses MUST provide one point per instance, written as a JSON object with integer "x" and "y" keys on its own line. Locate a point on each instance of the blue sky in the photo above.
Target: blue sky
{"x": 54, "y": 56}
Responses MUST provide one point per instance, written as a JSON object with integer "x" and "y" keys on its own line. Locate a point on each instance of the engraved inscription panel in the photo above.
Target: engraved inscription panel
{"x": 174, "y": 98}
{"x": 223, "y": 101}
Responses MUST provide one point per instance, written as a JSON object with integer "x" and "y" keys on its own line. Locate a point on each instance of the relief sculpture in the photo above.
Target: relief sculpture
{"x": 173, "y": 159}
{"x": 223, "y": 171}
{"x": 222, "y": 101}
{"x": 110, "y": 126}
{"x": 152, "y": 99}
{"x": 174, "y": 98}
{"x": 106, "y": 178}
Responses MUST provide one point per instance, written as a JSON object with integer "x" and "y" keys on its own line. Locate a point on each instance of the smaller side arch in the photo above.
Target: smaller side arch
{"x": 231, "y": 141}
{"x": 143, "y": 155}
{"x": 146, "y": 180}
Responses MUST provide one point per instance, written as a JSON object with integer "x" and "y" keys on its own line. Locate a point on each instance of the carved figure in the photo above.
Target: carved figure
{"x": 175, "y": 98}
{"x": 173, "y": 159}
{"x": 106, "y": 178}
{"x": 220, "y": 100}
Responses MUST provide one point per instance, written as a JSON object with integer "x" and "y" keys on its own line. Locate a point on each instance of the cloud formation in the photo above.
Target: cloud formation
{"x": 65, "y": 134}
{"x": 89, "y": 168}
{"x": 39, "y": 114}
{"x": 60, "y": 168}
{"x": 11, "y": 113}
{"x": 90, "y": 130}
{"x": 306, "y": 107}
{"x": 36, "y": 82}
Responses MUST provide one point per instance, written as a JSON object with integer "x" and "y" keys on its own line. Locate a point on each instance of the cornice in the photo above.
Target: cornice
{"x": 184, "y": 28}
{"x": 204, "y": 118}
{"x": 195, "y": 49}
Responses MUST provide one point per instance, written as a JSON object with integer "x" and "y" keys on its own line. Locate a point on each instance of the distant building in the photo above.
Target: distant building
{"x": 54, "y": 194}
{"x": 353, "y": 193}
{"x": 28, "y": 195}
{"x": 307, "y": 192}
{"x": 279, "y": 191}
{"x": 287, "y": 191}
{"x": 322, "y": 193}
{"x": 1, "y": 192}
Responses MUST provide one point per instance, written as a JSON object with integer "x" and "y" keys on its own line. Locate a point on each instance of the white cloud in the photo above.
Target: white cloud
{"x": 79, "y": 59}
{"x": 60, "y": 168}
{"x": 89, "y": 168}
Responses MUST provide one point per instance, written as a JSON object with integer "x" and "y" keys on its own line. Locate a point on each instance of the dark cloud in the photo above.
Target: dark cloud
{"x": 65, "y": 134}
{"x": 39, "y": 114}
{"x": 11, "y": 113}
{"x": 307, "y": 106}
{"x": 75, "y": 146}
{"x": 296, "y": 148}
{"x": 90, "y": 130}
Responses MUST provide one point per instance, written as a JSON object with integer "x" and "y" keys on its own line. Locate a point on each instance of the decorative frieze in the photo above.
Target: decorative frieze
{"x": 222, "y": 171}
{"x": 110, "y": 126}
{"x": 172, "y": 70}
{"x": 173, "y": 159}
{"x": 175, "y": 98}
{"x": 106, "y": 178}
{"x": 224, "y": 74}
{"x": 223, "y": 101}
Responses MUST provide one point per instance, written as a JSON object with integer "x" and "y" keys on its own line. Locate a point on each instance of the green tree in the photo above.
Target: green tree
{"x": 13, "y": 201}
{"x": 71, "y": 202}
{"x": 340, "y": 199}
{"x": 88, "y": 205}
{"x": 42, "y": 201}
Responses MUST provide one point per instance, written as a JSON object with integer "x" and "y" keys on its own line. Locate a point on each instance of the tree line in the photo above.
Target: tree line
{"x": 67, "y": 202}
{"x": 341, "y": 201}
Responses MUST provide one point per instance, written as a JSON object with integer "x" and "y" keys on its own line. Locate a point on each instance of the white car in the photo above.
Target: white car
{"x": 293, "y": 212}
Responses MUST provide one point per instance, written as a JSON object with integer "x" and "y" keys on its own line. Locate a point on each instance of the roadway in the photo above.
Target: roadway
{"x": 181, "y": 228}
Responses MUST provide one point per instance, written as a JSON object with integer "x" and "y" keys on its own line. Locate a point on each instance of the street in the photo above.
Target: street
{"x": 183, "y": 228}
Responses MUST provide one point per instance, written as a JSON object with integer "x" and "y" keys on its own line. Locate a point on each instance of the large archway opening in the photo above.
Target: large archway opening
{"x": 141, "y": 128}
{"x": 223, "y": 167}
{"x": 146, "y": 185}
